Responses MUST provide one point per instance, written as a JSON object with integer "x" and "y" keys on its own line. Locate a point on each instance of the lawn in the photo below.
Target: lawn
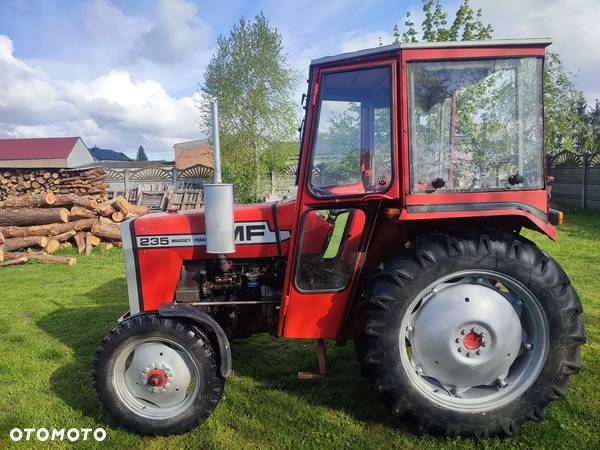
{"x": 52, "y": 318}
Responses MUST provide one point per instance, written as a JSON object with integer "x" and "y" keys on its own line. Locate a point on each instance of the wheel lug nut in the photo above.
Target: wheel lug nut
{"x": 463, "y": 332}
{"x": 459, "y": 350}
{"x": 457, "y": 340}
{"x": 478, "y": 352}
{"x": 468, "y": 354}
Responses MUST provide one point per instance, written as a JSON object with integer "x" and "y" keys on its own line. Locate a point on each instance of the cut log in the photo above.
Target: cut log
{"x": 77, "y": 212}
{"x": 106, "y": 246}
{"x": 52, "y": 246}
{"x": 105, "y": 209}
{"x": 80, "y": 241}
{"x": 117, "y": 216}
{"x": 95, "y": 241}
{"x": 42, "y": 257}
{"x": 139, "y": 210}
{"x": 52, "y": 229}
{"x": 13, "y": 262}
{"x": 29, "y": 201}
{"x": 1, "y": 238}
{"x": 11, "y": 245}
{"x": 107, "y": 231}
{"x": 88, "y": 244}
{"x": 64, "y": 237}
{"x": 120, "y": 203}
{"x": 66, "y": 245}
{"x": 75, "y": 200}
{"x": 23, "y": 216}
{"x": 118, "y": 244}
{"x": 105, "y": 220}
{"x": 1, "y": 253}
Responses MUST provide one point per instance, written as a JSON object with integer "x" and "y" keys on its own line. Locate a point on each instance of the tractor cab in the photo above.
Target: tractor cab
{"x": 420, "y": 164}
{"x": 420, "y": 135}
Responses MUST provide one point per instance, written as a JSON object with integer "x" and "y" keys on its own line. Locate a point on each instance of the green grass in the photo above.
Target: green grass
{"x": 52, "y": 318}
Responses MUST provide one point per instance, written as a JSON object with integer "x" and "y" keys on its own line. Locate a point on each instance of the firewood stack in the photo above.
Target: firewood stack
{"x": 35, "y": 225}
{"x": 90, "y": 183}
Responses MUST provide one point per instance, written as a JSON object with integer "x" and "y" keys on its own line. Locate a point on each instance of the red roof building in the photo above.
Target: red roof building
{"x": 63, "y": 152}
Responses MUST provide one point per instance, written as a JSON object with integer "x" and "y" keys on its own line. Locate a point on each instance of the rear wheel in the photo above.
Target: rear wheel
{"x": 470, "y": 335}
{"x": 157, "y": 376}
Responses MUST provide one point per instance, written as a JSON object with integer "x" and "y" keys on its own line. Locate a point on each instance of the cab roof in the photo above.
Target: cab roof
{"x": 532, "y": 42}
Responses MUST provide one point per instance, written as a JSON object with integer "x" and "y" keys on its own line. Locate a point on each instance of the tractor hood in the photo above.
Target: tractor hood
{"x": 261, "y": 230}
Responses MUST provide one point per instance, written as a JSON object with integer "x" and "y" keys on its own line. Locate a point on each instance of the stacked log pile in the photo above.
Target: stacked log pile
{"x": 90, "y": 183}
{"x": 34, "y": 226}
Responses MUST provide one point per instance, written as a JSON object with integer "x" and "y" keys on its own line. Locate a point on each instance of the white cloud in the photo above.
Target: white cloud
{"x": 572, "y": 25}
{"x": 354, "y": 41}
{"x": 177, "y": 33}
{"x": 110, "y": 110}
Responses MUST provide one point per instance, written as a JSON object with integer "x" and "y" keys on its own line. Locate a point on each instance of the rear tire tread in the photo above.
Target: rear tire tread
{"x": 430, "y": 253}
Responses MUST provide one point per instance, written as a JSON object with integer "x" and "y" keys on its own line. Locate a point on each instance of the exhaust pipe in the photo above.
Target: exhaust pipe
{"x": 218, "y": 199}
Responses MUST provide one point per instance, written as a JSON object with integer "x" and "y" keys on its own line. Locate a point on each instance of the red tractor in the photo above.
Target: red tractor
{"x": 420, "y": 164}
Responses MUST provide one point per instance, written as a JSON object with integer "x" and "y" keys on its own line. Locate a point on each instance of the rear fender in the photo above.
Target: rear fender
{"x": 208, "y": 325}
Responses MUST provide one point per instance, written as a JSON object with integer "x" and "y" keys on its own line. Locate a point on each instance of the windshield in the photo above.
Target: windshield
{"x": 476, "y": 125}
{"x": 353, "y": 140}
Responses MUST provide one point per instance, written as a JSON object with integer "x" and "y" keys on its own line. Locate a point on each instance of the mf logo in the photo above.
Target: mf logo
{"x": 257, "y": 233}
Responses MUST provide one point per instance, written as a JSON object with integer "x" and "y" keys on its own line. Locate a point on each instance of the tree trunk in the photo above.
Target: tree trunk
{"x": 64, "y": 237}
{"x": 75, "y": 200}
{"x": 88, "y": 243}
{"x": 42, "y": 257}
{"x": 52, "y": 229}
{"x": 77, "y": 212}
{"x": 80, "y": 241}
{"x": 105, "y": 209}
{"x": 29, "y": 201}
{"x": 25, "y": 242}
{"x": 52, "y": 246}
{"x": 121, "y": 204}
{"x": 13, "y": 262}
{"x": 33, "y": 216}
{"x": 107, "y": 231}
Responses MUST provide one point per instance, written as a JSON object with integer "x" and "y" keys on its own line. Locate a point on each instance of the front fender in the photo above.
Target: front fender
{"x": 207, "y": 324}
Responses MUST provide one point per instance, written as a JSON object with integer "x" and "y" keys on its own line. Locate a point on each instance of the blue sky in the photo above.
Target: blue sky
{"x": 124, "y": 73}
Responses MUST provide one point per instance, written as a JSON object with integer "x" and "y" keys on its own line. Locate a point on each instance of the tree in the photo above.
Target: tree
{"x": 141, "y": 154}
{"x": 566, "y": 125}
{"x": 569, "y": 123}
{"x": 250, "y": 76}
{"x": 466, "y": 26}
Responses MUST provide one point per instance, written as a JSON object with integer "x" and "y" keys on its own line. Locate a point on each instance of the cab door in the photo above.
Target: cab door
{"x": 348, "y": 166}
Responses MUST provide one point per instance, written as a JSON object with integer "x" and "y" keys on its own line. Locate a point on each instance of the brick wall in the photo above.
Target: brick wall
{"x": 188, "y": 154}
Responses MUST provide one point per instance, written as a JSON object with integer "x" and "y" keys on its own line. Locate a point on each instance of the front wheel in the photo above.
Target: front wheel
{"x": 157, "y": 376}
{"x": 470, "y": 335}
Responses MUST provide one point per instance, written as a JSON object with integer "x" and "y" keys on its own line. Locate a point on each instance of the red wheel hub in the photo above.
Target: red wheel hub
{"x": 472, "y": 341}
{"x": 157, "y": 378}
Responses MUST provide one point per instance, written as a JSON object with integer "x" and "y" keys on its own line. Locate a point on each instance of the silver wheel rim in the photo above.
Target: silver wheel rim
{"x": 474, "y": 340}
{"x": 144, "y": 361}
